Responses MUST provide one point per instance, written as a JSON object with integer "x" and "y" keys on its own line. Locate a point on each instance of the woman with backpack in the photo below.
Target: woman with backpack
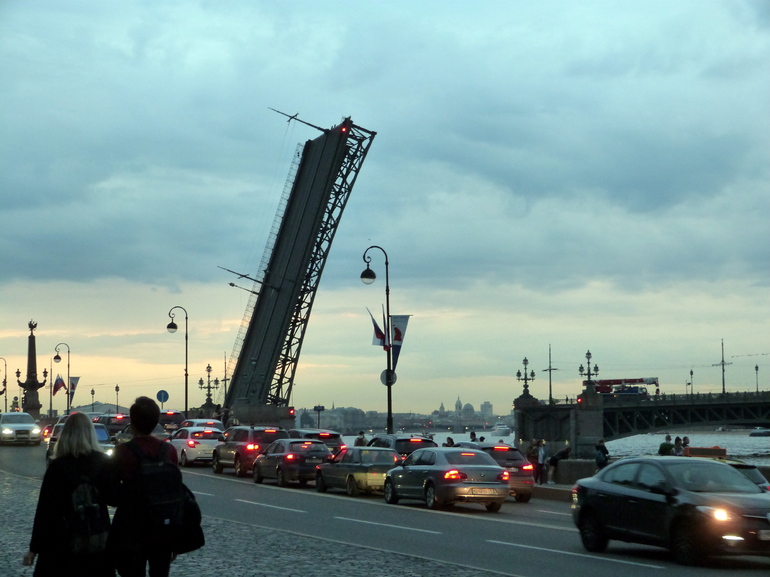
{"x": 72, "y": 521}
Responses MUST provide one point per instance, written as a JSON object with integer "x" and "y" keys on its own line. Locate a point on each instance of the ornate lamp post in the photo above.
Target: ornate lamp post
{"x": 588, "y": 373}
{"x": 57, "y": 359}
{"x": 389, "y": 377}
{"x": 5, "y": 383}
{"x": 526, "y": 378}
{"x": 208, "y": 386}
{"x": 172, "y": 328}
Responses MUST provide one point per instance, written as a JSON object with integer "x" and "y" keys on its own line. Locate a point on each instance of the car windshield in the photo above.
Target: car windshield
{"x": 710, "y": 478}
{"x": 267, "y": 437}
{"x": 503, "y": 454}
{"x": 469, "y": 458}
{"x": 102, "y": 434}
{"x": 20, "y": 419}
{"x": 305, "y": 447}
{"x": 385, "y": 457}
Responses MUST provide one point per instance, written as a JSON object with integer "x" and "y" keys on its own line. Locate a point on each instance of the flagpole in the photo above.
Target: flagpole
{"x": 50, "y": 392}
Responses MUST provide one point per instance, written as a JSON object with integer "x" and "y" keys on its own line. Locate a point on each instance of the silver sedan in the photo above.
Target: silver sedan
{"x": 447, "y": 475}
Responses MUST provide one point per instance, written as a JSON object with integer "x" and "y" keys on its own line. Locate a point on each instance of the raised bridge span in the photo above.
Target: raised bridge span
{"x": 596, "y": 417}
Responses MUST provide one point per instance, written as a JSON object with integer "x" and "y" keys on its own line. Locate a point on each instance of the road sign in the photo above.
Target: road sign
{"x": 162, "y": 396}
{"x": 384, "y": 377}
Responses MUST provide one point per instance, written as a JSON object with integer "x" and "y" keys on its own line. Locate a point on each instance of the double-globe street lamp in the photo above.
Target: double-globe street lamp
{"x": 172, "y": 328}
{"x": 389, "y": 377}
{"x": 57, "y": 359}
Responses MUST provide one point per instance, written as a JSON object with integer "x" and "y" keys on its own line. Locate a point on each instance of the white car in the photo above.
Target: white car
{"x": 208, "y": 423}
{"x": 19, "y": 428}
{"x": 195, "y": 444}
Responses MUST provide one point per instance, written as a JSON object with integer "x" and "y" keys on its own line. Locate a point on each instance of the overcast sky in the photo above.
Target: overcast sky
{"x": 584, "y": 175}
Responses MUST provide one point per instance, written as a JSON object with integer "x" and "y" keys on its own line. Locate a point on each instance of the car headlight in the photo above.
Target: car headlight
{"x": 35, "y": 431}
{"x": 7, "y": 431}
{"x": 716, "y": 513}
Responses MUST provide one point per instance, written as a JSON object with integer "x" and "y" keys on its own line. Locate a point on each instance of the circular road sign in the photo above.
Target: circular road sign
{"x": 384, "y": 377}
{"x": 162, "y": 396}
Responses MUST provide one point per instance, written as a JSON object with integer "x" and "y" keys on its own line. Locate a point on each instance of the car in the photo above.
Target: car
{"x": 522, "y": 480}
{"x": 195, "y": 444}
{"x": 115, "y": 422}
{"x": 692, "y": 506}
{"x": 443, "y": 476}
{"x": 403, "y": 444}
{"x": 291, "y": 460}
{"x": 241, "y": 446}
{"x": 208, "y": 423}
{"x": 332, "y": 439}
{"x": 752, "y": 472}
{"x": 102, "y": 435}
{"x": 171, "y": 420}
{"x": 356, "y": 469}
{"x": 128, "y": 433}
{"x": 18, "y": 428}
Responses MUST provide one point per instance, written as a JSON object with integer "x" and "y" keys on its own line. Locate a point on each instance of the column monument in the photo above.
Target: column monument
{"x": 31, "y": 403}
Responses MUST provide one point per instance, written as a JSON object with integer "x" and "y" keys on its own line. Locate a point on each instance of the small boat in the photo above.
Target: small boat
{"x": 500, "y": 430}
{"x": 760, "y": 433}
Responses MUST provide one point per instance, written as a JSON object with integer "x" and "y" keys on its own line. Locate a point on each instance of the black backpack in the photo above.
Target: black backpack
{"x": 87, "y": 520}
{"x": 159, "y": 491}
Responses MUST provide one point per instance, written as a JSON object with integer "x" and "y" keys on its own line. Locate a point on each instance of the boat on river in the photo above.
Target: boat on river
{"x": 500, "y": 430}
{"x": 758, "y": 432}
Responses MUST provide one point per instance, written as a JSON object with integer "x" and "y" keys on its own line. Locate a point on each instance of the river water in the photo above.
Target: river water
{"x": 754, "y": 450}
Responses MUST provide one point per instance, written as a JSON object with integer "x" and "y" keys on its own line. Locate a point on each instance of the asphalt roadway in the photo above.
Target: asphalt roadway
{"x": 233, "y": 550}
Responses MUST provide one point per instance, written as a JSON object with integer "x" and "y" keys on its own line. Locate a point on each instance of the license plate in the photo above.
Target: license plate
{"x": 479, "y": 491}
{"x": 314, "y": 460}
{"x": 764, "y": 534}
{"x": 514, "y": 469}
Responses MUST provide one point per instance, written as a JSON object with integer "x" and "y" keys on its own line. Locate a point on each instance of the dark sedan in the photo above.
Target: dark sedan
{"x": 448, "y": 475}
{"x": 694, "y": 507}
{"x": 356, "y": 469}
{"x": 291, "y": 460}
{"x": 522, "y": 479}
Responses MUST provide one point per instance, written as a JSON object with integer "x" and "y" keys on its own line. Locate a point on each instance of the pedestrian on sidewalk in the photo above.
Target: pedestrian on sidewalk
{"x": 553, "y": 463}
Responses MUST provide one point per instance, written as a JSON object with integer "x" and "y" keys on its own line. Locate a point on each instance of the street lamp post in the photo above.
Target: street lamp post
{"x": 5, "y": 383}
{"x": 117, "y": 403}
{"x": 588, "y": 373}
{"x": 208, "y": 387}
{"x": 172, "y": 329}
{"x": 368, "y": 277}
{"x": 756, "y": 371}
{"x": 93, "y": 404}
{"x": 57, "y": 359}
{"x": 526, "y": 378}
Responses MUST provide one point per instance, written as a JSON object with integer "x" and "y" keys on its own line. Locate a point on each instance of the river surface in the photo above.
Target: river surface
{"x": 754, "y": 450}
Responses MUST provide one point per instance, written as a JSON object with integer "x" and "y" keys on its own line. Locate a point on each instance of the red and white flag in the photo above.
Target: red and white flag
{"x": 379, "y": 334}
{"x": 398, "y": 326}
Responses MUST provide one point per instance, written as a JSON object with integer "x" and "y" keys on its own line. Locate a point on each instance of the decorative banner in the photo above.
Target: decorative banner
{"x": 398, "y": 326}
{"x": 379, "y": 335}
{"x": 73, "y": 384}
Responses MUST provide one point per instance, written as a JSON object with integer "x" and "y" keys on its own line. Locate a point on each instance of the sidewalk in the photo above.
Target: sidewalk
{"x": 231, "y": 547}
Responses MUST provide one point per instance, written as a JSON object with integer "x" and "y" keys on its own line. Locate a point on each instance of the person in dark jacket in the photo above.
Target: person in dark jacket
{"x": 133, "y": 543}
{"x": 76, "y": 455}
{"x": 602, "y": 455}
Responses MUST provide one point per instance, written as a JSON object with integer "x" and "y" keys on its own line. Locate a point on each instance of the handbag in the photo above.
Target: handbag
{"x": 190, "y": 535}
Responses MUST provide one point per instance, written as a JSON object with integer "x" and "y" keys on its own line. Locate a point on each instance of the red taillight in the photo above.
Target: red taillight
{"x": 504, "y": 476}
{"x": 269, "y": 430}
{"x": 529, "y": 467}
{"x": 192, "y": 443}
{"x": 503, "y": 448}
{"x": 252, "y": 447}
{"x": 324, "y": 435}
{"x": 455, "y": 474}
{"x": 415, "y": 440}
{"x": 290, "y": 456}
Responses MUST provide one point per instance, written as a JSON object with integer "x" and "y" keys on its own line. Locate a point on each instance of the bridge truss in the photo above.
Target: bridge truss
{"x": 266, "y": 352}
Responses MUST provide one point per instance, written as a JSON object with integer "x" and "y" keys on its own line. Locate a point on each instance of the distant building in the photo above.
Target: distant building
{"x": 486, "y": 410}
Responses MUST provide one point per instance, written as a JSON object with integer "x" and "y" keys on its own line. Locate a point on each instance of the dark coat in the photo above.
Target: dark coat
{"x": 48, "y": 531}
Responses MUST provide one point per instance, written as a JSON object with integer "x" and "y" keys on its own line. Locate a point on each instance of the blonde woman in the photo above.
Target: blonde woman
{"x": 77, "y": 459}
